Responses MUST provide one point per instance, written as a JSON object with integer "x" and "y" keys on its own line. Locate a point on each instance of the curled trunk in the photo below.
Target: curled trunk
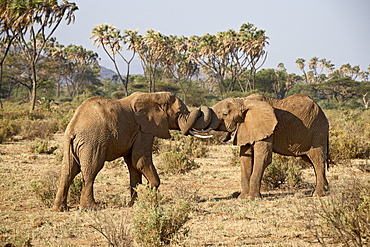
{"x": 205, "y": 123}
{"x": 187, "y": 121}
{"x": 204, "y": 119}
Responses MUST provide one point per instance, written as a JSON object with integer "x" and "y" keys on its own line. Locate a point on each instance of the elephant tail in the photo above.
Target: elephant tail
{"x": 72, "y": 156}
{"x": 328, "y": 160}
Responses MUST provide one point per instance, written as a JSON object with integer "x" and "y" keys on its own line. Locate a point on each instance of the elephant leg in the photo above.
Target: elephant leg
{"x": 318, "y": 159}
{"x": 69, "y": 172}
{"x": 261, "y": 159}
{"x": 246, "y": 165}
{"x": 135, "y": 178}
{"x": 142, "y": 158}
{"x": 91, "y": 164}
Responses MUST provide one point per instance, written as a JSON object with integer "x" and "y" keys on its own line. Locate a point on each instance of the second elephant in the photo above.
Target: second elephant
{"x": 295, "y": 126}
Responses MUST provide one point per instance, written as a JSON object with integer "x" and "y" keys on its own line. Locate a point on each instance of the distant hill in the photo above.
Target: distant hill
{"x": 106, "y": 73}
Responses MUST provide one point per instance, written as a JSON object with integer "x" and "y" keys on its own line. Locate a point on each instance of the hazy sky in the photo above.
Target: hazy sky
{"x": 338, "y": 30}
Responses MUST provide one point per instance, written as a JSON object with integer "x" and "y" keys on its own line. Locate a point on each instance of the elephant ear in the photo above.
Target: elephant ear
{"x": 150, "y": 113}
{"x": 259, "y": 123}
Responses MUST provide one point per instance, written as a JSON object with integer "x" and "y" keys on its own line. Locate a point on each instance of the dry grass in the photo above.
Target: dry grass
{"x": 216, "y": 217}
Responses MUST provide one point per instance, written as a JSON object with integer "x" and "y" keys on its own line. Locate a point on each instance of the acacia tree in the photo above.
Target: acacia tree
{"x": 36, "y": 21}
{"x": 113, "y": 42}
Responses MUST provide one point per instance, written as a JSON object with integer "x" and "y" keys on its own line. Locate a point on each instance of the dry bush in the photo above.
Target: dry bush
{"x": 156, "y": 223}
{"x": 349, "y": 135}
{"x": 17, "y": 120}
{"x": 46, "y": 189}
{"x": 42, "y": 147}
{"x": 345, "y": 217}
{"x": 114, "y": 227}
{"x": 235, "y": 158}
{"x": 283, "y": 170}
{"x": 176, "y": 163}
{"x": 179, "y": 153}
{"x": 6, "y": 129}
{"x": 189, "y": 145}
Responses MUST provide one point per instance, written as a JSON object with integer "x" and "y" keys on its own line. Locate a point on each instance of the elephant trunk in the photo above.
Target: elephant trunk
{"x": 186, "y": 121}
{"x": 207, "y": 121}
{"x": 204, "y": 119}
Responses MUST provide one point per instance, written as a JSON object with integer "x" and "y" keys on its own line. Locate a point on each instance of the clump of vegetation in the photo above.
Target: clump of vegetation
{"x": 283, "y": 170}
{"x": 114, "y": 228}
{"x": 156, "y": 224}
{"x": 235, "y": 158}
{"x": 179, "y": 153}
{"x": 15, "y": 120}
{"x": 46, "y": 189}
{"x": 344, "y": 218}
{"x": 189, "y": 145}
{"x": 177, "y": 163}
{"x": 349, "y": 134}
{"x": 42, "y": 147}
{"x": 6, "y": 129}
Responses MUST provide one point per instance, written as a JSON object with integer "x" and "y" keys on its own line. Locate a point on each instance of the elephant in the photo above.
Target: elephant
{"x": 294, "y": 126}
{"x": 104, "y": 129}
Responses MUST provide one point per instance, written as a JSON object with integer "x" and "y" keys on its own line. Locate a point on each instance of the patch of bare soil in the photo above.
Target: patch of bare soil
{"x": 217, "y": 218}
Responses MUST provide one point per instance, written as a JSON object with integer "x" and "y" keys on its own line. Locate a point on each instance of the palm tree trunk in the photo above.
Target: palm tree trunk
{"x": 33, "y": 92}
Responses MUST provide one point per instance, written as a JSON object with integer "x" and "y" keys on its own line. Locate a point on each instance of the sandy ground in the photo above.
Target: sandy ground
{"x": 280, "y": 218}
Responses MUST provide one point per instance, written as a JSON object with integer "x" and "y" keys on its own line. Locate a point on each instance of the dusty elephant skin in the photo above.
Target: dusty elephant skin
{"x": 295, "y": 126}
{"x": 104, "y": 129}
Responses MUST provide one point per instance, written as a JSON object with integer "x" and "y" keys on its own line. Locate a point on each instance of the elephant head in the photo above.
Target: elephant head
{"x": 254, "y": 120}
{"x": 157, "y": 113}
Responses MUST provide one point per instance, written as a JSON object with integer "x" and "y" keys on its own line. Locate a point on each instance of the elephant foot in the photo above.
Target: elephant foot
{"x": 243, "y": 196}
{"x": 318, "y": 193}
{"x": 254, "y": 197}
{"x": 90, "y": 207}
{"x": 249, "y": 196}
{"x": 60, "y": 208}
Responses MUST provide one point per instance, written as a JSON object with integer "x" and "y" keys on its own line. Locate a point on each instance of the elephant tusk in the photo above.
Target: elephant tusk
{"x": 203, "y": 131}
{"x": 198, "y": 135}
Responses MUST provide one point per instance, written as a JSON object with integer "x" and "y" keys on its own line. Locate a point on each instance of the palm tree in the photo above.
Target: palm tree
{"x": 112, "y": 41}
{"x": 300, "y": 62}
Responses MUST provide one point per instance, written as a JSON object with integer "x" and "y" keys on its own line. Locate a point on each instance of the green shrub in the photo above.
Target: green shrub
{"x": 176, "y": 163}
{"x": 42, "y": 147}
{"x": 178, "y": 154}
{"x": 283, "y": 170}
{"x": 156, "y": 224}
{"x": 189, "y": 145}
{"x": 344, "y": 219}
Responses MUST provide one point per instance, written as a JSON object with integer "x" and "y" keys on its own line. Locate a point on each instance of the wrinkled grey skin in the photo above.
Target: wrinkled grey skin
{"x": 295, "y": 126}
{"x": 104, "y": 130}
